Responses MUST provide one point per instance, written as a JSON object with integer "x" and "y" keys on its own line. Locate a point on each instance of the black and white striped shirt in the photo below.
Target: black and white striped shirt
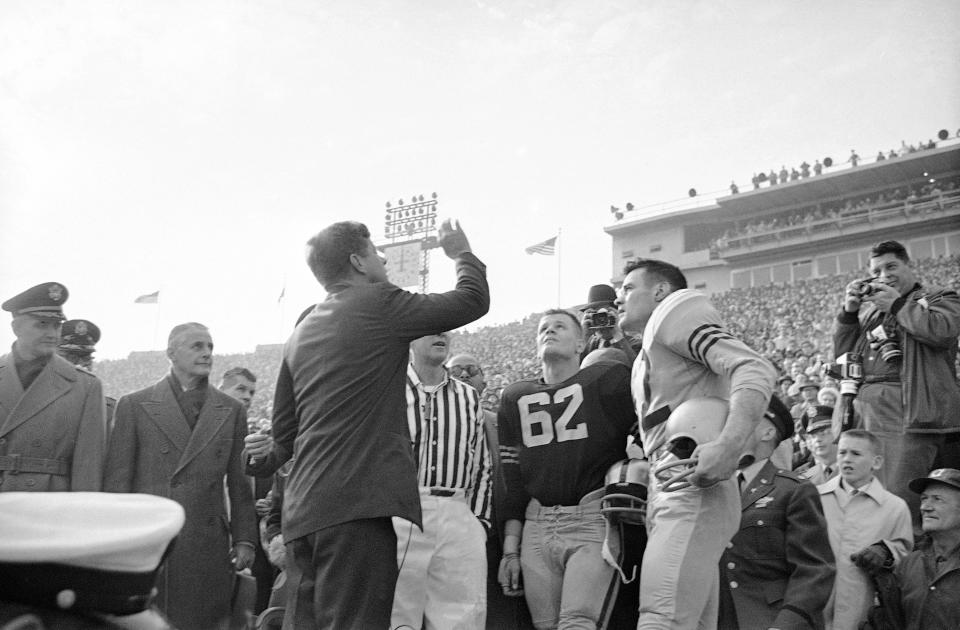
{"x": 446, "y": 428}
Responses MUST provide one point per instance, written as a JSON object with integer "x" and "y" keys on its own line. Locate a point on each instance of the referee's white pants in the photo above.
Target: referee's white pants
{"x": 443, "y": 569}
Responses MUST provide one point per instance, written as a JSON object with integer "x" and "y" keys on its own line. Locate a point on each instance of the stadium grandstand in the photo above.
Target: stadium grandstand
{"x": 805, "y": 228}
{"x": 774, "y": 259}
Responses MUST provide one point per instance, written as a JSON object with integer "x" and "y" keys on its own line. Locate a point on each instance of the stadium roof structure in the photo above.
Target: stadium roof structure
{"x": 941, "y": 161}
{"x": 811, "y": 226}
{"x": 876, "y": 175}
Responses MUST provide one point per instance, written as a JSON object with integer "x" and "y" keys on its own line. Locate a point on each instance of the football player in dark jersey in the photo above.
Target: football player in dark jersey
{"x": 559, "y": 435}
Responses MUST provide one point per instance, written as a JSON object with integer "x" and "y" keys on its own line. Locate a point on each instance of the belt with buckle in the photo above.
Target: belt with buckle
{"x": 441, "y": 492}
{"x": 881, "y": 378}
{"x": 19, "y": 464}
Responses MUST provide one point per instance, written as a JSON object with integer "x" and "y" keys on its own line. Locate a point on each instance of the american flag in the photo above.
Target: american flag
{"x": 547, "y": 247}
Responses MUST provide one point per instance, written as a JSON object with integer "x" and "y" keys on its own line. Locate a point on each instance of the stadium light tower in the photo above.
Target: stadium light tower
{"x": 411, "y": 229}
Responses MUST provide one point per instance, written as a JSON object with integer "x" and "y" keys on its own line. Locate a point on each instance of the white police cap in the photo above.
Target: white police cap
{"x": 90, "y": 550}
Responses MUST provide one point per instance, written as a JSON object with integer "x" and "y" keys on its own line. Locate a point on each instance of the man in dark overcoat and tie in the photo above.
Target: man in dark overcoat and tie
{"x": 179, "y": 439}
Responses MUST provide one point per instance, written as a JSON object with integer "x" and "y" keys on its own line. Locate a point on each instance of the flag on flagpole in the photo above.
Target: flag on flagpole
{"x": 149, "y": 298}
{"x": 283, "y": 292}
{"x": 547, "y": 247}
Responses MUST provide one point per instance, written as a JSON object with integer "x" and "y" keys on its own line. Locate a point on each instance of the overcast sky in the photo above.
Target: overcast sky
{"x": 193, "y": 146}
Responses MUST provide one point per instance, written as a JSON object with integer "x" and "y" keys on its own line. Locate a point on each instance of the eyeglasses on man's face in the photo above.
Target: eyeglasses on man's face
{"x": 470, "y": 369}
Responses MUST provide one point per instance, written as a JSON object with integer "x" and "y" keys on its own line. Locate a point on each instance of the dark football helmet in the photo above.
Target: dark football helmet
{"x": 625, "y": 492}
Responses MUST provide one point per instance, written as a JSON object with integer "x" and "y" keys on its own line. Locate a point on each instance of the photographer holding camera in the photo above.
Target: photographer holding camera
{"x": 906, "y": 336}
{"x": 598, "y": 317}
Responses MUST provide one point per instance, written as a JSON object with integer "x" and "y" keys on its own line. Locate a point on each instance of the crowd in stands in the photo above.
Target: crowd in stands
{"x": 905, "y": 149}
{"x": 782, "y": 321}
{"x": 931, "y": 196}
{"x": 805, "y": 170}
{"x": 778, "y": 320}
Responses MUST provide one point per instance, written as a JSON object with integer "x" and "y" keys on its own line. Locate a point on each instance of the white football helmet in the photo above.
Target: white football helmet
{"x": 694, "y": 422}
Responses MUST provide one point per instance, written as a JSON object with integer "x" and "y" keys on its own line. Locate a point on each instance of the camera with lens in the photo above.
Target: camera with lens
{"x": 600, "y": 319}
{"x": 884, "y": 340}
{"x": 865, "y": 288}
{"x": 848, "y": 370}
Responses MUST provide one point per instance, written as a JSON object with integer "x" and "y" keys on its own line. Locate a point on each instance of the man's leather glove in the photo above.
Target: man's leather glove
{"x": 263, "y": 506}
{"x": 873, "y": 559}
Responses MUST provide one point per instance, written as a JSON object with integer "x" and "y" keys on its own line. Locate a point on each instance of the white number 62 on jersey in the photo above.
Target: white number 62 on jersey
{"x": 571, "y": 397}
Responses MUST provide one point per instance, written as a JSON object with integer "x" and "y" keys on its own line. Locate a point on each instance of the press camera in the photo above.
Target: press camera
{"x": 599, "y": 319}
{"x": 848, "y": 370}
{"x": 865, "y": 288}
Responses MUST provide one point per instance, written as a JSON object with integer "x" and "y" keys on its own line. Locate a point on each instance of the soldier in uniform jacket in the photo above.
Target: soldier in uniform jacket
{"x": 78, "y": 341}
{"x": 52, "y": 427}
{"x": 778, "y": 570}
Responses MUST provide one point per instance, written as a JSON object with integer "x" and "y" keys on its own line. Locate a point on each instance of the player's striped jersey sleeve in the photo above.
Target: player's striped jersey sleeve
{"x": 508, "y": 430}
{"x": 695, "y": 331}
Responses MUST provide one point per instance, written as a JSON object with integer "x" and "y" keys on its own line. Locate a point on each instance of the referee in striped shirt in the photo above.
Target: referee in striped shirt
{"x": 442, "y": 582}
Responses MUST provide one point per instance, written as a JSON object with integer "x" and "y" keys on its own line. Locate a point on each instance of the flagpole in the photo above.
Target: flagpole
{"x": 559, "y": 254}
{"x": 156, "y": 319}
{"x": 283, "y": 305}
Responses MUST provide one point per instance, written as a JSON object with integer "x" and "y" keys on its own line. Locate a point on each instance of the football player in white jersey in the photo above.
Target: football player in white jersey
{"x": 687, "y": 353}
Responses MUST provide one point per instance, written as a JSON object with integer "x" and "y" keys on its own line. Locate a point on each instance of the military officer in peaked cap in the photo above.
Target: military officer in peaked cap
{"x": 52, "y": 414}
{"x": 778, "y": 570}
{"x": 78, "y": 341}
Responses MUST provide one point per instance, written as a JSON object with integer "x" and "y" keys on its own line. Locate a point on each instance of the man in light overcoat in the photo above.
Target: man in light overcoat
{"x": 52, "y": 423}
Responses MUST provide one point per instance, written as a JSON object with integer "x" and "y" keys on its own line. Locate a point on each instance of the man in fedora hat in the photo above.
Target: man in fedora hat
{"x": 598, "y": 316}
{"x": 52, "y": 427}
{"x": 807, "y": 389}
